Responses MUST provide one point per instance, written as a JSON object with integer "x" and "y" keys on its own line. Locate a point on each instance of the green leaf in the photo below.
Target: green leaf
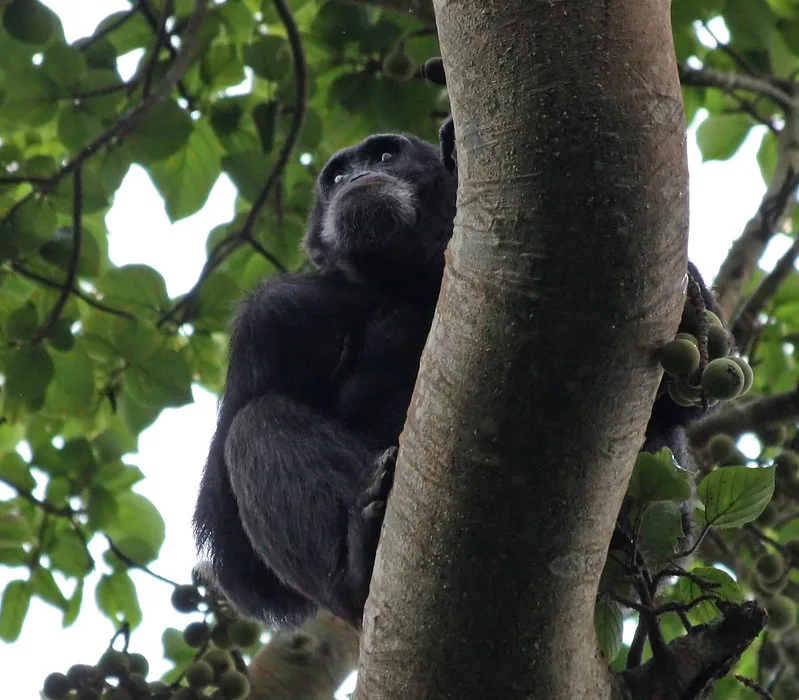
{"x": 73, "y": 605}
{"x": 658, "y": 478}
{"x": 133, "y": 340}
{"x": 29, "y": 371}
{"x": 720, "y": 135}
{"x": 136, "y": 288}
{"x": 127, "y": 550}
{"x": 40, "y": 166}
{"x": 69, "y": 555}
{"x": 185, "y": 179}
{"x": 750, "y": 22}
{"x": 661, "y": 530}
{"x": 216, "y": 302}
{"x": 71, "y": 392}
{"x": 43, "y": 584}
{"x": 687, "y": 11}
{"x": 112, "y": 444}
{"x": 263, "y": 116}
{"x": 312, "y": 128}
{"x": 31, "y": 99}
{"x": 31, "y": 223}
{"x": 723, "y": 586}
{"x": 14, "y": 556}
{"x": 117, "y": 476}
{"x": 767, "y": 156}
{"x": 164, "y": 379}
{"x": 133, "y": 33}
{"x": 175, "y": 648}
{"x": 15, "y": 529}
{"x": 102, "y": 508}
{"x": 100, "y": 54}
{"x": 95, "y": 196}
{"x": 96, "y": 95}
{"x": 238, "y": 20}
{"x": 207, "y": 358}
{"x": 136, "y": 416}
{"x": 733, "y": 496}
{"x": 137, "y": 519}
{"x": 226, "y": 115}
{"x": 789, "y": 31}
{"x": 13, "y": 609}
{"x": 117, "y": 599}
{"x": 220, "y": 67}
{"x": 608, "y": 622}
{"x": 21, "y": 324}
{"x": 78, "y": 459}
{"x": 337, "y": 23}
{"x": 58, "y": 251}
{"x": 247, "y": 170}
{"x": 10, "y": 436}
{"x": 76, "y": 127}
{"x": 29, "y": 21}
{"x": 269, "y": 57}
{"x": 58, "y": 491}
{"x": 65, "y": 65}
{"x": 162, "y": 132}
{"x": 16, "y": 471}
{"x": 355, "y": 91}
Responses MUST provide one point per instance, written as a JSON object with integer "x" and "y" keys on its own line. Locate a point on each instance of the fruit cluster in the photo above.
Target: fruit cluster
{"x": 724, "y": 377}
{"x": 213, "y": 673}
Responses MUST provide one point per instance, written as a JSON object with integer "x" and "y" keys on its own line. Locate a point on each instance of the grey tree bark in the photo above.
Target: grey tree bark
{"x": 565, "y": 274}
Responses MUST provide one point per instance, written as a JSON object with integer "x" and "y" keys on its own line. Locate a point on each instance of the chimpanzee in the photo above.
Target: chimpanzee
{"x": 320, "y": 375}
{"x": 321, "y": 370}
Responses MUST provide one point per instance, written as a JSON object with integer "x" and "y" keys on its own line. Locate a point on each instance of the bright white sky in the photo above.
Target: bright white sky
{"x": 173, "y": 450}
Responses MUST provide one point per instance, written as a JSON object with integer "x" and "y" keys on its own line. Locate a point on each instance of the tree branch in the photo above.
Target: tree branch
{"x": 728, "y": 81}
{"x": 741, "y": 262}
{"x": 745, "y": 321}
{"x": 705, "y": 654}
{"x": 306, "y": 664}
{"x": 745, "y": 416}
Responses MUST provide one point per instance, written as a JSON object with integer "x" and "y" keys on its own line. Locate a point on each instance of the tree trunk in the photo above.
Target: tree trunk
{"x": 566, "y": 272}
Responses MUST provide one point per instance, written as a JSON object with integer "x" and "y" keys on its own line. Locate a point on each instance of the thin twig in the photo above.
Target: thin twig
{"x": 744, "y": 63}
{"x": 754, "y": 685}
{"x": 264, "y": 253}
{"x": 161, "y": 40}
{"x": 86, "y": 43}
{"x": 63, "y": 512}
{"x": 91, "y": 301}
{"x": 666, "y": 607}
{"x": 298, "y": 115}
{"x": 133, "y": 564}
{"x": 21, "y": 179}
{"x": 152, "y": 20}
{"x": 74, "y": 258}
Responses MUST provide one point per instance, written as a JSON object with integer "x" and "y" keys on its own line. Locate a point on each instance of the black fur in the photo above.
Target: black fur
{"x": 321, "y": 370}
